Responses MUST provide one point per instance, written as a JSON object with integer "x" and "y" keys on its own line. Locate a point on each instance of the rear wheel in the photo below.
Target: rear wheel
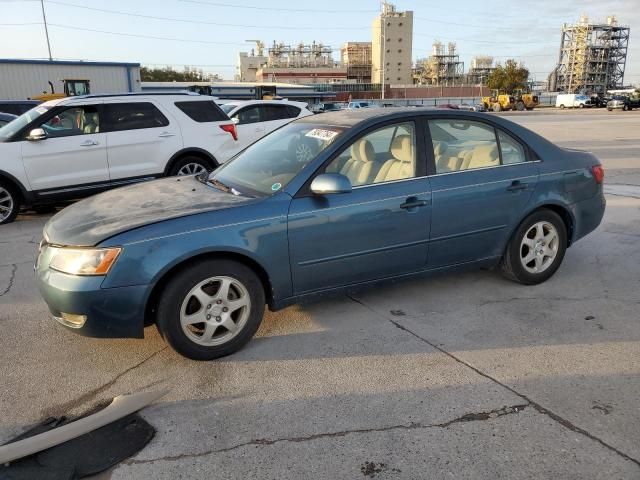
{"x": 211, "y": 309}
{"x": 9, "y": 202}
{"x": 190, "y": 165}
{"x": 497, "y": 107}
{"x": 562, "y": 107}
{"x": 537, "y": 248}
{"x": 520, "y": 106}
{"x": 625, "y": 108}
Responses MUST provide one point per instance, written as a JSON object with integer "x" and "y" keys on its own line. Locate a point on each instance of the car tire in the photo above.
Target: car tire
{"x": 497, "y": 107}
{"x": 536, "y": 249}
{"x": 625, "y": 108}
{"x": 520, "y": 106}
{"x": 9, "y": 202}
{"x": 190, "y": 165}
{"x": 562, "y": 107}
{"x": 581, "y": 105}
{"x": 179, "y": 309}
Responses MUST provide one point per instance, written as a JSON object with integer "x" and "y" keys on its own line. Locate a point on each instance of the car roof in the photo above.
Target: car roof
{"x": 261, "y": 102}
{"x": 349, "y": 118}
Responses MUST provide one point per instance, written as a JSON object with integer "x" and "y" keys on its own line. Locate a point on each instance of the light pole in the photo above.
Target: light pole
{"x": 384, "y": 51}
{"x": 46, "y": 30}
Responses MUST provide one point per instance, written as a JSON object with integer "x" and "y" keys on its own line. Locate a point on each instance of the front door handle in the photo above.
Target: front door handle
{"x": 89, "y": 143}
{"x": 516, "y": 186}
{"x": 166, "y": 135}
{"x": 413, "y": 202}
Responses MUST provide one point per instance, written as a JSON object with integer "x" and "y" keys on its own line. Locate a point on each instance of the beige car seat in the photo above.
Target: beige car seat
{"x": 362, "y": 168}
{"x": 91, "y": 123}
{"x": 483, "y": 156}
{"x": 402, "y": 165}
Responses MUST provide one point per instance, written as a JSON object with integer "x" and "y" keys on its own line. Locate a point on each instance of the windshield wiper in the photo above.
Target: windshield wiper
{"x": 218, "y": 184}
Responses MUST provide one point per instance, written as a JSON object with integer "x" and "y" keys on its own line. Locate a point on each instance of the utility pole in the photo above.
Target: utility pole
{"x": 46, "y": 30}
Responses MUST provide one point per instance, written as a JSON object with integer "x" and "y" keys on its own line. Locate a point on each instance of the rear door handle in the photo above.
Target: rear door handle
{"x": 89, "y": 143}
{"x": 516, "y": 186}
{"x": 413, "y": 202}
{"x": 166, "y": 135}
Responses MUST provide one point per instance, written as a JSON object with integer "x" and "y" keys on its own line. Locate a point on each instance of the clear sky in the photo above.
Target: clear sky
{"x": 209, "y": 33}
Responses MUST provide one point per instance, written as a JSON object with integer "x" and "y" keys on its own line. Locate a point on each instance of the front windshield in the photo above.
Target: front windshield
{"x": 227, "y": 107}
{"x": 268, "y": 165}
{"x": 22, "y": 121}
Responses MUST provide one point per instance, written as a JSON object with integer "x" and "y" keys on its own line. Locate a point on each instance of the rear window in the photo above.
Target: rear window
{"x": 275, "y": 112}
{"x": 293, "y": 111}
{"x": 202, "y": 112}
{"x": 132, "y": 116}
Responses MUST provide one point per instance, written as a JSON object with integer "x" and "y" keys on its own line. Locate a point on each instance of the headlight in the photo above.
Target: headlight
{"x": 83, "y": 261}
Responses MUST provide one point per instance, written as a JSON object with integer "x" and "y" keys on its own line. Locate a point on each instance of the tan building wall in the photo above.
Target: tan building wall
{"x": 248, "y": 66}
{"x": 391, "y": 46}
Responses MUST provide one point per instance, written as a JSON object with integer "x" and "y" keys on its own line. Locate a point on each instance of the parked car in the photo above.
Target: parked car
{"x": 6, "y": 118}
{"x": 597, "y": 101}
{"x": 256, "y": 118}
{"x": 382, "y": 194}
{"x": 572, "y": 100}
{"x": 479, "y": 107}
{"x": 623, "y": 102}
{"x": 466, "y": 107}
{"x": 360, "y": 104}
{"x": 449, "y": 106}
{"x": 77, "y": 146}
{"x": 331, "y": 107}
{"x": 17, "y": 107}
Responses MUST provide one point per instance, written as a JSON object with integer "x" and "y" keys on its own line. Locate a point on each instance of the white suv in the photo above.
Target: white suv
{"x": 256, "y": 118}
{"x": 75, "y": 147}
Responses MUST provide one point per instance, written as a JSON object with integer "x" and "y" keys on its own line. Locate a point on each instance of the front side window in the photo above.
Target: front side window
{"x": 463, "y": 145}
{"x": 384, "y": 155}
{"x": 267, "y": 166}
{"x": 247, "y": 115}
{"x": 82, "y": 120}
{"x": 133, "y": 116}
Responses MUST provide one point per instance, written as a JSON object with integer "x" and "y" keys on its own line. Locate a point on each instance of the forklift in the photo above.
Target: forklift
{"x": 71, "y": 87}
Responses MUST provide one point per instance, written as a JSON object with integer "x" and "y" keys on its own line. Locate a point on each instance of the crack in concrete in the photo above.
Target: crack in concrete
{"x": 538, "y": 407}
{"x": 521, "y": 299}
{"x": 64, "y": 408}
{"x": 12, "y": 277}
{"x": 468, "y": 417}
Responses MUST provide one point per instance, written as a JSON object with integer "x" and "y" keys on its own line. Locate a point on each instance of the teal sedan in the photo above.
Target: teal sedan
{"x": 325, "y": 203}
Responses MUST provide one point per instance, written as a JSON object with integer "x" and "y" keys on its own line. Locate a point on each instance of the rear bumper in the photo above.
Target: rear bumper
{"x": 588, "y": 215}
{"x": 110, "y": 312}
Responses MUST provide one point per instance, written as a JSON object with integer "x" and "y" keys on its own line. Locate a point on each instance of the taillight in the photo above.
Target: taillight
{"x": 598, "y": 173}
{"x": 230, "y": 128}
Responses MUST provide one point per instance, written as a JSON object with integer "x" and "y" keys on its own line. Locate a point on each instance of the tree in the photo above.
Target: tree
{"x": 512, "y": 76}
{"x": 168, "y": 74}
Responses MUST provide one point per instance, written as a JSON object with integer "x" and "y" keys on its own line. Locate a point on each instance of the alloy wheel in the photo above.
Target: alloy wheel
{"x": 539, "y": 247}
{"x": 192, "y": 169}
{"x": 215, "y": 311}
{"x": 6, "y": 204}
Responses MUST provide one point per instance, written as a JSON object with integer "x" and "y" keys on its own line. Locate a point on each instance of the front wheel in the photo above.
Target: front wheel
{"x": 497, "y": 107}
{"x": 9, "y": 203}
{"x": 536, "y": 249}
{"x": 211, "y": 309}
{"x": 520, "y": 106}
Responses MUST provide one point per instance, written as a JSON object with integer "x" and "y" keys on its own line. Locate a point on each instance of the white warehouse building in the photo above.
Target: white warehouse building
{"x": 23, "y": 79}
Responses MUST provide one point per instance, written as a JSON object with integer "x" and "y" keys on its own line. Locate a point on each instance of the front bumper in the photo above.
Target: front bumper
{"x": 111, "y": 312}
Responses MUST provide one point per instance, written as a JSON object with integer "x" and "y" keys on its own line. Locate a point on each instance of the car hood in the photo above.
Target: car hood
{"x": 97, "y": 218}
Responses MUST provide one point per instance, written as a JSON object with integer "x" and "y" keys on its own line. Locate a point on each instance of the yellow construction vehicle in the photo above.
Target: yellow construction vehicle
{"x": 525, "y": 100}
{"x": 71, "y": 88}
{"x": 499, "y": 101}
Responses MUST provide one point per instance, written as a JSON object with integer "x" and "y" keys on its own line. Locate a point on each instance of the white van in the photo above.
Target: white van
{"x": 572, "y": 100}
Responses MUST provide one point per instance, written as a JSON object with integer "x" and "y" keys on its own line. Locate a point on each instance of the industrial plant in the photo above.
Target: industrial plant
{"x": 592, "y": 57}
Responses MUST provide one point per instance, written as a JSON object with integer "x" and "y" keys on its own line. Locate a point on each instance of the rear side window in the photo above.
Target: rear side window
{"x": 276, "y": 112}
{"x": 202, "y": 112}
{"x": 132, "y": 116}
{"x": 293, "y": 111}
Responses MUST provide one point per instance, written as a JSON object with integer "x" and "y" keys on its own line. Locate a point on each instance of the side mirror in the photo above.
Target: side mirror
{"x": 36, "y": 135}
{"x": 327, "y": 183}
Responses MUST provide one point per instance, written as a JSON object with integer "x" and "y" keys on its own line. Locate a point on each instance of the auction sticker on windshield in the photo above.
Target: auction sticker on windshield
{"x": 322, "y": 134}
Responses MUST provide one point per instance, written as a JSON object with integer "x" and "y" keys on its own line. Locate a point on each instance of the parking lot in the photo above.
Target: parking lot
{"x": 461, "y": 376}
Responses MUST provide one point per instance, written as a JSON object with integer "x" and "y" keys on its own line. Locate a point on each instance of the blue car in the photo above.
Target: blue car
{"x": 325, "y": 203}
